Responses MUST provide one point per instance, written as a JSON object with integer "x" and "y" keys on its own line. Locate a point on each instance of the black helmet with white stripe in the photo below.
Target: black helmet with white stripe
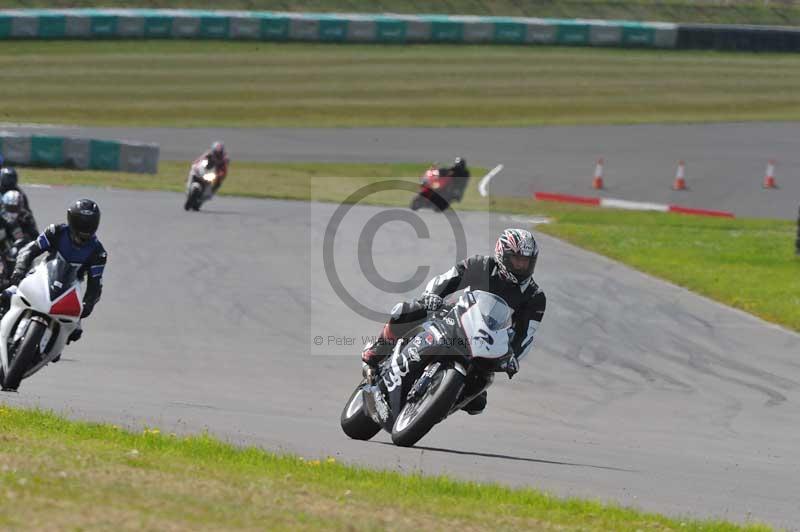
{"x": 516, "y": 252}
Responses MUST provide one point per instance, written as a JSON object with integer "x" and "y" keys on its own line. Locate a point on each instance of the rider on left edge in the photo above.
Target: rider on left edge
{"x": 77, "y": 242}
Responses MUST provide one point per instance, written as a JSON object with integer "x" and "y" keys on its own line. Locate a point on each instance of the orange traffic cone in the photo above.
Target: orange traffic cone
{"x": 769, "y": 176}
{"x": 680, "y": 177}
{"x": 597, "y": 183}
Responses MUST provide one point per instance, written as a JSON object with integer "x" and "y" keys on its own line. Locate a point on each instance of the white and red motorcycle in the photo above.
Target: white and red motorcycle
{"x": 44, "y": 311}
{"x": 200, "y": 185}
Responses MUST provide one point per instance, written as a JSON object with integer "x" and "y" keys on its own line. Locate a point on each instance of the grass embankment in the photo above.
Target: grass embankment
{"x": 59, "y": 474}
{"x": 715, "y": 11}
{"x": 748, "y": 264}
{"x": 249, "y": 179}
{"x": 163, "y": 83}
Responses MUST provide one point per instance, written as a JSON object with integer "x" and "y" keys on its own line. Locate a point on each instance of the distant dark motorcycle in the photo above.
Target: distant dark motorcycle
{"x": 438, "y": 191}
{"x": 437, "y": 369}
{"x": 200, "y": 186}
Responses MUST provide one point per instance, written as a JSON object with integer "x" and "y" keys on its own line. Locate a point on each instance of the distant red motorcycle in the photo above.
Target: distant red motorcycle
{"x": 437, "y": 191}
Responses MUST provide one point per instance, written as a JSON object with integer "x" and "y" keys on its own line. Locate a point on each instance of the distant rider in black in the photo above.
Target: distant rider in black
{"x": 508, "y": 274}
{"x": 460, "y": 175}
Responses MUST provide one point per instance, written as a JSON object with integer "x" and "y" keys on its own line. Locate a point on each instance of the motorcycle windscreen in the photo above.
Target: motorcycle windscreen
{"x": 61, "y": 275}
{"x": 496, "y": 313}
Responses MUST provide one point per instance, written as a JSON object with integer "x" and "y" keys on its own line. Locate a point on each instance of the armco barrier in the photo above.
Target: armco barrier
{"x": 745, "y": 38}
{"x": 280, "y": 26}
{"x": 67, "y": 152}
{"x": 277, "y": 26}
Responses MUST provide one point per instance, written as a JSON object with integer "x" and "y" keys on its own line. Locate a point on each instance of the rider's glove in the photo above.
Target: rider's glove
{"x": 75, "y": 336}
{"x": 511, "y": 366}
{"x": 431, "y": 302}
{"x": 16, "y": 278}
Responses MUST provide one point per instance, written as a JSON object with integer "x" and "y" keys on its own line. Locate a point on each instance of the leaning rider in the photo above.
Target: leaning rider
{"x": 459, "y": 174}
{"x": 16, "y": 223}
{"x": 508, "y": 274}
{"x": 218, "y": 160}
{"x": 77, "y": 243}
{"x": 9, "y": 180}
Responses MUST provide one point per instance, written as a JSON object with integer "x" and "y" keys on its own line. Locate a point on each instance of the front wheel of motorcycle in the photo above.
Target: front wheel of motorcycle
{"x": 26, "y": 354}
{"x": 356, "y": 423}
{"x": 418, "y": 417}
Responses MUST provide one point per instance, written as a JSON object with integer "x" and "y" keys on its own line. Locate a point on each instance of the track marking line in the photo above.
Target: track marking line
{"x": 487, "y": 178}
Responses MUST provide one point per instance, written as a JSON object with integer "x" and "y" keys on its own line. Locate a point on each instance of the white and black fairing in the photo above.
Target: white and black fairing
{"x": 467, "y": 336}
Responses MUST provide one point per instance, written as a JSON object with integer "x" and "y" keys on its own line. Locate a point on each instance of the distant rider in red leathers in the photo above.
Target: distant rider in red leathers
{"x": 218, "y": 160}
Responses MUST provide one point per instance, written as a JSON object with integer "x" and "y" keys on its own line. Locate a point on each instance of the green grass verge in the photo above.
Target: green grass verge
{"x": 730, "y": 11}
{"x": 748, "y": 264}
{"x": 59, "y": 474}
{"x": 164, "y": 83}
{"x": 249, "y": 179}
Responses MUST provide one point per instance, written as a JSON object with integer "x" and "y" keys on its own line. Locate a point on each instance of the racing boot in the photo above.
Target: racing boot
{"x": 477, "y": 405}
{"x": 377, "y": 350}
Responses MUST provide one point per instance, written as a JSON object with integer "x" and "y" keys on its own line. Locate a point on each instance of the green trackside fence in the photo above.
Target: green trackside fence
{"x": 316, "y": 27}
{"x": 276, "y": 26}
{"x": 68, "y": 152}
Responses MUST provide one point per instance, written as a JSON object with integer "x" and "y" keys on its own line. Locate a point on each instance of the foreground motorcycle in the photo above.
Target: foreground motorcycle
{"x": 44, "y": 311}
{"x": 200, "y": 186}
{"x": 438, "y": 368}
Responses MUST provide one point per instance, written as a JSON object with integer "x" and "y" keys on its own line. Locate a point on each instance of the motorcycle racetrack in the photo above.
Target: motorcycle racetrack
{"x": 638, "y": 392}
{"x": 725, "y": 163}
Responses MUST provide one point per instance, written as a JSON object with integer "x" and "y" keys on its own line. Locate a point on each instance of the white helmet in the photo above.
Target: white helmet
{"x": 11, "y": 205}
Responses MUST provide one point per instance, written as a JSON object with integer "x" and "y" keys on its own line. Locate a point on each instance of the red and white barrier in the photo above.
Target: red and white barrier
{"x": 630, "y": 205}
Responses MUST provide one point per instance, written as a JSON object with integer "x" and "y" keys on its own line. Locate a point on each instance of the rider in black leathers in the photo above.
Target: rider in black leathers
{"x": 9, "y": 180}
{"x": 508, "y": 273}
{"x": 17, "y": 222}
{"x": 460, "y": 175}
{"x": 77, "y": 243}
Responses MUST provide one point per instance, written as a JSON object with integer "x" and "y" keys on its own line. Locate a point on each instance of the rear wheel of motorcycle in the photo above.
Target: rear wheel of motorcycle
{"x": 355, "y": 421}
{"x": 418, "y": 417}
{"x": 26, "y": 354}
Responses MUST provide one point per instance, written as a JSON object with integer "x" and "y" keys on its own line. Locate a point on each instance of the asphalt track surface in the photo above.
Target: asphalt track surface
{"x": 725, "y": 162}
{"x": 639, "y": 392}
